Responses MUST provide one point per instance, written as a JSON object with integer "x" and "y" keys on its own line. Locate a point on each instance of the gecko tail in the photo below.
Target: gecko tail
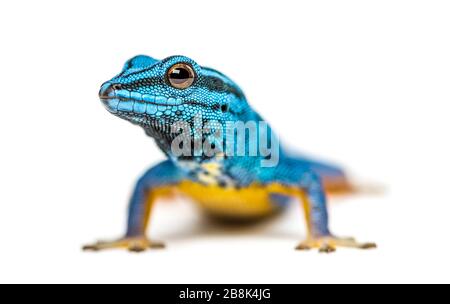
{"x": 337, "y": 182}
{"x": 343, "y": 185}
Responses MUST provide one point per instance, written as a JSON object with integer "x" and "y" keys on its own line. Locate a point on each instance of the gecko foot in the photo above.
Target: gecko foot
{"x": 329, "y": 244}
{"x": 135, "y": 244}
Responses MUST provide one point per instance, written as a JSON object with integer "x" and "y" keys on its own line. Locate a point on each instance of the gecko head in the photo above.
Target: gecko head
{"x": 155, "y": 94}
{"x": 174, "y": 98}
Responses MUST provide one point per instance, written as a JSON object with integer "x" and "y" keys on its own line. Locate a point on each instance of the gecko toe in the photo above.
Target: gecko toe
{"x": 303, "y": 247}
{"x": 327, "y": 248}
{"x": 368, "y": 246}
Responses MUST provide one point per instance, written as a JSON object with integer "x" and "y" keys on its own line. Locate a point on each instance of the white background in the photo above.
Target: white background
{"x": 361, "y": 83}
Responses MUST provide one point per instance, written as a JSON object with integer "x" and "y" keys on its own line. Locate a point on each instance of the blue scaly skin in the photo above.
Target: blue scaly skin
{"x": 158, "y": 94}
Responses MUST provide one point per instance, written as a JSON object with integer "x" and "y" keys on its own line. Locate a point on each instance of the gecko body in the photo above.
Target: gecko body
{"x": 189, "y": 111}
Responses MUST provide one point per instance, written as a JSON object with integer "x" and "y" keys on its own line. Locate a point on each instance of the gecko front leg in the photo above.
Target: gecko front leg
{"x": 293, "y": 179}
{"x": 156, "y": 183}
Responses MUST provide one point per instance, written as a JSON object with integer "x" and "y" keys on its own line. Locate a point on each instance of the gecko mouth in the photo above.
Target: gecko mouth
{"x": 118, "y": 100}
{"x": 141, "y": 105}
{"x": 156, "y": 100}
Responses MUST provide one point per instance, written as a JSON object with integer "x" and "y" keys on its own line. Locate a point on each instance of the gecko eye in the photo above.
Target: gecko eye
{"x": 181, "y": 76}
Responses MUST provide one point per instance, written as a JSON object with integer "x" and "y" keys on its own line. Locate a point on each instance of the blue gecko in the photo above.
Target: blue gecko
{"x": 173, "y": 100}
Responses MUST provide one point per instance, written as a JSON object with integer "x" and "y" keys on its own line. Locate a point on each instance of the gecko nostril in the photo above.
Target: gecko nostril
{"x": 108, "y": 90}
{"x": 117, "y": 87}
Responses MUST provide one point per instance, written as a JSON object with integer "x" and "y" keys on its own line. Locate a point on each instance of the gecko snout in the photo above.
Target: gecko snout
{"x": 108, "y": 90}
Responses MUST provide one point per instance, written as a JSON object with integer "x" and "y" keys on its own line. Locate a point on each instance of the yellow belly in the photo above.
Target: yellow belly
{"x": 250, "y": 202}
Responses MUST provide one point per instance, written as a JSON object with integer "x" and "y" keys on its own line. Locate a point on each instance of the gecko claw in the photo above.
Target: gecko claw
{"x": 90, "y": 248}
